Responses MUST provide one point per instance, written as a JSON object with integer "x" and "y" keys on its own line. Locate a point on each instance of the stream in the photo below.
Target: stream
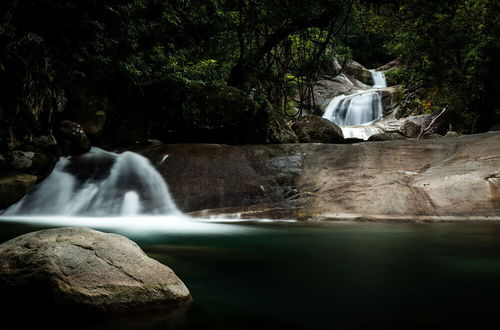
{"x": 245, "y": 275}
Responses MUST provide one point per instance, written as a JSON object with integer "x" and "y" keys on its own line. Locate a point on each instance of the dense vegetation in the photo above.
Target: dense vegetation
{"x": 98, "y": 58}
{"x": 449, "y": 49}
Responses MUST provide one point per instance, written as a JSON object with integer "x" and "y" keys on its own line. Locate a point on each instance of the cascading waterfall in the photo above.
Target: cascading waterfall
{"x": 99, "y": 183}
{"x": 355, "y": 109}
{"x": 355, "y": 112}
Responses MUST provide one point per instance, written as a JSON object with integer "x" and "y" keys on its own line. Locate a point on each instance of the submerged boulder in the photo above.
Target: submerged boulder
{"x": 80, "y": 269}
{"x": 314, "y": 129}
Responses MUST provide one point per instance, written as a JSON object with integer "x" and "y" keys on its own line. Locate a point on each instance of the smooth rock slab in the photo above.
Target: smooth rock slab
{"x": 82, "y": 269}
{"x": 443, "y": 179}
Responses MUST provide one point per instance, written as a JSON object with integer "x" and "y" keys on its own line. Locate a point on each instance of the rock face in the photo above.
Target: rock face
{"x": 326, "y": 89}
{"x": 85, "y": 270}
{"x": 359, "y": 72}
{"x": 435, "y": 180}
{"x": 314, "y": 129}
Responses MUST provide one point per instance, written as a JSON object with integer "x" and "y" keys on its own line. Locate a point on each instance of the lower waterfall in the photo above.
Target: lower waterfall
{"x": 99, "y": 183}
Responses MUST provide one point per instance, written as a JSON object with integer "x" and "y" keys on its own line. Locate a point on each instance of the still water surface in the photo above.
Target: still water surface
{"x": 321, "y": 276}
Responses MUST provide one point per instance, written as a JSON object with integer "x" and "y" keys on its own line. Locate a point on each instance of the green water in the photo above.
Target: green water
{"x": 337, "y": 276}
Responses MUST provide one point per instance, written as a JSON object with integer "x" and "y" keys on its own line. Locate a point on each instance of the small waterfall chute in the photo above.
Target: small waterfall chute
{"x": 99, "y": 183}
{"x": 379, "y": 80}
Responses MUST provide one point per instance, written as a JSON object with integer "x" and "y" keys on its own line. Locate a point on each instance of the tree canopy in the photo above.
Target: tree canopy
{"x": 271, "y": 50}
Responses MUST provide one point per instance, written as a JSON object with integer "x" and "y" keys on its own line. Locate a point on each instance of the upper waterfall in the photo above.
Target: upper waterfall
{"x": 354, "y": 112}
{"x": 379, "y": 80}
{"x": 99, "y": 183}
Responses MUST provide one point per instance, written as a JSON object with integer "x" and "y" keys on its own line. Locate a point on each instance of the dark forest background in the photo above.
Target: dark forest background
{"x": 218, "y": 70}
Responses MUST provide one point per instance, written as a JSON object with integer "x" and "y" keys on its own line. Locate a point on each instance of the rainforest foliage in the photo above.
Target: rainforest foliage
{"x": 62, "y": 50}
{"x": 450, "y": 50}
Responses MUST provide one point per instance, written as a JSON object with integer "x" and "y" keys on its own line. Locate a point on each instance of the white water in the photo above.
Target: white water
{"x": 379, "y": 80}
{"x": 107, "y": 191}
{"x": 354, "y": 113}
{"x": 99, "y": 183}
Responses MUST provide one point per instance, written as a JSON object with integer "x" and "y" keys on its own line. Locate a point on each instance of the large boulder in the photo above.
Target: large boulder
{"x": 359, "y": 72}
{"x": 314, "y": 129}
{"x": 412, "y": 126}
{"x": 441, "y": 122}
{"x": 80, "y": 269}
{"x": 72, "y": 138}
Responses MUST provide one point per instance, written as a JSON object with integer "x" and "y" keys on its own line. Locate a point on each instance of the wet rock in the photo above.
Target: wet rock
{"x": 72, "y": 138}
{"x": 391, "y": 96}
{"x": 78, "y": 269}
{"x": 208, "y": 176}
{"x": 359, "y": 72}
{"x": 386, "y": 137}
{"x": 326, "y": 89}
{"x": 21, "y": 160}
{"x": 452, "y": 134}
{"x": 13, "y": 186}
{"x": 314, "y": 129}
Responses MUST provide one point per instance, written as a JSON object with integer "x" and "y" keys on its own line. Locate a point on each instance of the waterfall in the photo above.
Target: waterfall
{"x": 355, "y": 112}
{"x": 379, "y": 80}
{"x": 99, "y": 183}
{"x": 355, "y": 109}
